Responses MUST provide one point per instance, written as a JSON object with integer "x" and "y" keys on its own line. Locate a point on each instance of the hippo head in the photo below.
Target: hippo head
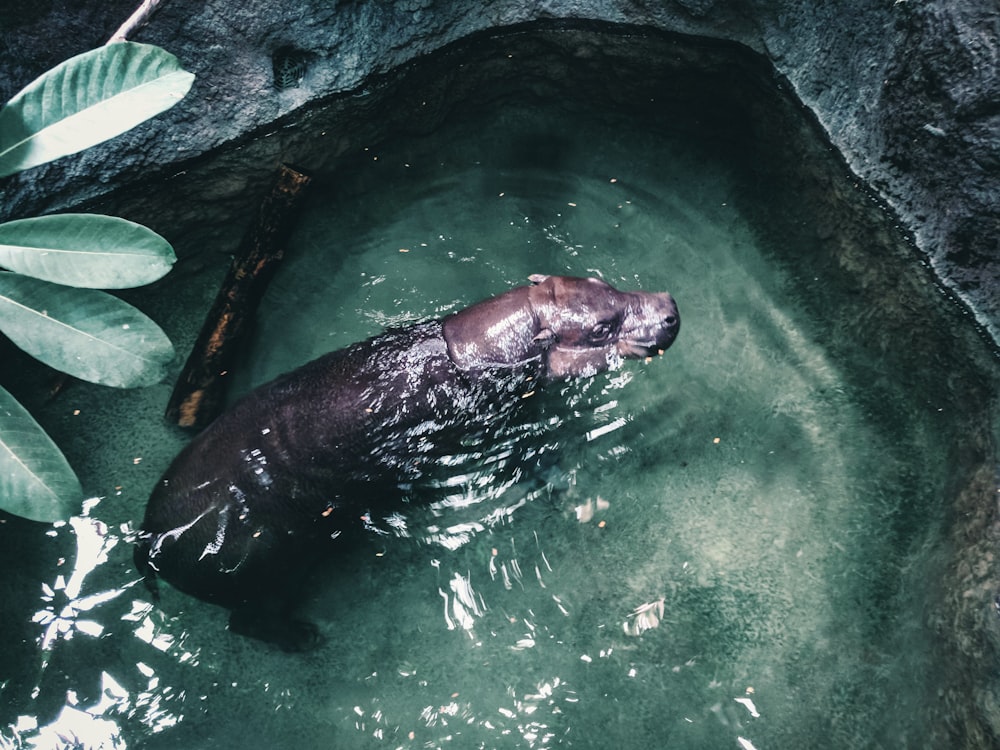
{"x": 576, "y": 327}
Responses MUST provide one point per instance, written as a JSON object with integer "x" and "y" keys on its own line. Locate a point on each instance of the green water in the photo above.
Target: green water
{"x": 733, "y": 545}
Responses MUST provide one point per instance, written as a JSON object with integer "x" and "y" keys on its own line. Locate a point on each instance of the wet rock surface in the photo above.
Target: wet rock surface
{"x": 906, "y": 91}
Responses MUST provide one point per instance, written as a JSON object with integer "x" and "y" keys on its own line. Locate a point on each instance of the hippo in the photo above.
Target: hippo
{"x": 257, "y": 500}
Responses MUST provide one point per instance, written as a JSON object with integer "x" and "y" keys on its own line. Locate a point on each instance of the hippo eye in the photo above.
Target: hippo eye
{"x": 600, "y": 333}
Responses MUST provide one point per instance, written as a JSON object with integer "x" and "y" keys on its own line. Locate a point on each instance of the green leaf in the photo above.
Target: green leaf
{"x": 86, "y": 250}
{"x": 36, "y": 481}
{"x": 86, "y": 333}
{"x": 88, "y": 99}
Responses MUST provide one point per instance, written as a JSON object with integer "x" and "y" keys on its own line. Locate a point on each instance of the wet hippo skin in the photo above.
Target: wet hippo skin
{"x": 257, "y": 500}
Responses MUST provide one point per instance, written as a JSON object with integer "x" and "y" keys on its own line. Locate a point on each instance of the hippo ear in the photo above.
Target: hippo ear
{"x": 538, "y": 278}
{"x": 546, "y": 337}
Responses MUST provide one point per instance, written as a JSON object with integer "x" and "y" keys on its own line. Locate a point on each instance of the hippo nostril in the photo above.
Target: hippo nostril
{"x": 670, "y": 320}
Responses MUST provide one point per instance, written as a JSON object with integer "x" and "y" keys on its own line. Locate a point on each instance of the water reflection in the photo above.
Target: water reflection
{"x": 64, "y": 602}
{"x": 463, "y": 603}
{"x": 69, "y": 612}
{"x": 74, "y": 728}
{"x": 644, "y": 617}
{"x": 533, "y": 717}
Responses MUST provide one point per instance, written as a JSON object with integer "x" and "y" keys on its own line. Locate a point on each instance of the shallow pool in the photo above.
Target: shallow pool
{"x": 734, "y": 545}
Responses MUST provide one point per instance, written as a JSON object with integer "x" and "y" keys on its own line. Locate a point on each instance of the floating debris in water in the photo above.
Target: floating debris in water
{"x": 644, "y": 617}
{"x": 585, "y": 512}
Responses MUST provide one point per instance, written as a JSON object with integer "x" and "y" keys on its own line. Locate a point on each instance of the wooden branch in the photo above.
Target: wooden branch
{"x": 200, "y": 392}
{"x": 137, "y": 20}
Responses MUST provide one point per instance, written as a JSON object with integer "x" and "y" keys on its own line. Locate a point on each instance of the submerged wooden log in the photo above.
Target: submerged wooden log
{"x": 200, "y": 392}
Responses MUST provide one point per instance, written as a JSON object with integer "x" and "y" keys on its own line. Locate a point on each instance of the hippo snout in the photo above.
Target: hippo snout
{"x": 670, "y": 318}
{"x": 671, "y": 323}
{"x": 651, "y": 325}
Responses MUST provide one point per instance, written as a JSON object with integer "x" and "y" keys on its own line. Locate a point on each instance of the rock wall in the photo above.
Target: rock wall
{"x": 907, "y": 91}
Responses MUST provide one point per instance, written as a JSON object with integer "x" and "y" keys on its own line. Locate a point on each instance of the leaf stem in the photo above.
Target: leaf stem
{"x": 138, "y": 19}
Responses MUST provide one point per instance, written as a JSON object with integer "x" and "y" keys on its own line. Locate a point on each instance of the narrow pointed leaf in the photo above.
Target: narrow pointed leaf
{"x": 85, "y": 250}
{"x": 88, "y": 99}
{"x": 86, "y": 333}
{"x": 36, "y": 481}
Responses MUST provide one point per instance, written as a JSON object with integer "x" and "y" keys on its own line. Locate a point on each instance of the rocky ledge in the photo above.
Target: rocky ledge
{"x": 909, "y": 92}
